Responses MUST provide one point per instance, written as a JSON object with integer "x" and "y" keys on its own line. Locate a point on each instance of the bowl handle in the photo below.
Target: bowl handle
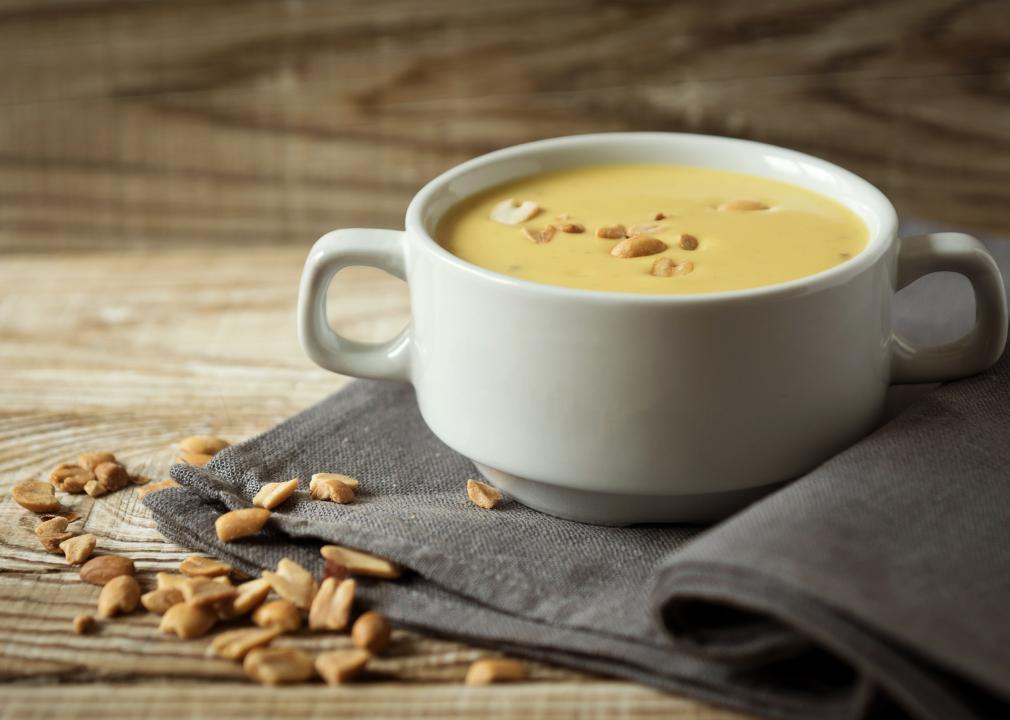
{"x": 983, "y": 345}
{"x": 383, "y": 249}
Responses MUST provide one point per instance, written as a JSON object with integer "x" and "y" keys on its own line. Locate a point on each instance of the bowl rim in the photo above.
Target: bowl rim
{"x": 873, "y": 198}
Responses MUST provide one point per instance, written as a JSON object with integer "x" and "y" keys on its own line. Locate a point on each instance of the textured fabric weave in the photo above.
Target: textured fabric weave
{"x": 877, "y": 586}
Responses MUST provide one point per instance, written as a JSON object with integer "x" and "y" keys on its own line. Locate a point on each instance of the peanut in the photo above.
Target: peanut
{"x": 70, "y": 478}
{"x": 195, "y": 459}
{"x": 572, "y": 228}
{"x": 331, "y": 608}
{"x": 339, "y": 666}
{"x": 36, "y": 496}
{"x": 91, "y": 460}
{"x": 51, "y": 526}
{"x": 248, "y": 596}
{"x": 78, "y": 549}
{"x": 665, "y": 267}
{"x": 482, "y": 494}
{"x": 203, "y": 444}
{"x": 278, "y": 613}
{"x": 159, "y": 601}
{"x": 513, "y": 212}
{"x": 687, "y": 241}
{"x": 171, "y": 581}
{"x": 187, "y": 621}
{"x": 155, "y": 487}
{"x": 204, "y": 591}
{"x": 273, "y": 494}
{"x": 112, "y": 476}
{"x": 242, "y": 523}
{"x": 359, "y": 563}
{"x": 614, "y": 232}
{"x": 345, "y": 479}
{"x": 638, "y": 246}
{"x": 94, "y": 488}
{"x": 330, "y": 488}
{"x": 540, "y": 237}
{"x": 371, "y": 632}
{"x": 742, "y": 205}
{"x": 104, "y": 568}
{"x": 119, "y": 596}
{"x": 293, "y": 582}
{"x": 83, "y": 623}
{"x": 274, "y": 666}
{"x": 644, "y": 229}
{"x": 660, "y": 216}
{"x": 236, "y": 644}
{"x": 196, "y": 566}
{"x": 52, "y": 541}
{"x": 495, "y": 670}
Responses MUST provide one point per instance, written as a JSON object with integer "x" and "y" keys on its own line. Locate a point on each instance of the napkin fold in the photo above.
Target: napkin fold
{"x": 877, "y": 586}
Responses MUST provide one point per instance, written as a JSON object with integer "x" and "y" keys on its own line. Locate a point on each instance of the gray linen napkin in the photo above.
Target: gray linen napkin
{"x": 875, "y": 587}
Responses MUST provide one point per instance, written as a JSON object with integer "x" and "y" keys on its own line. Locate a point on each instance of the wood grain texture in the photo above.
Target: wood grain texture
{"x": 132, "y": 352}
{"x": 212, "y": 121}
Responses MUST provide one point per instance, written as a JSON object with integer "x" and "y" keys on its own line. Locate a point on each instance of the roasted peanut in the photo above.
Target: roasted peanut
{"x": 638, "y": 246}
{"x": 195, "y": 459}
{"x": 278, "y": 613}
{"x": 614, "y": 232}
{"x": 119, "y": 596}
{"x": 331, "y": 608}
{"x": 482, "y": 494}
{"x": 513, "y": 212}
{"x": 248, "y": 596}
{"x": 70, "y": 478}
{"x": 293, "y": 582}
{"x": 94, "y": 488}
{"x": 742, "y": 205}
{"x": 155, "y": 487}
{"x": 112, "y": 476}
{"x": 686, "y": 241}
{"x": 371, "y": 632}
{"x": 197, "y": 566}
{"x": 339, "y": 666}
{"x": 78, "y": 549}
{"x": 236, "y": 644}
{"x": 328, "y": 487}
{"x": 274, "y": 666}
{"x": 540, "y": 237}
{"x": 91, "y": 460}
{"x": 495, "y": 670}
{"x": 36, "y": 496}
{"x": 360, "y": 563}
{"x": 100, "y": 570}
{"x": 83, "y": 623}
{"x": 273, "y": 494}
{"x": 204, "y": 591}
{"x": 238, "y": 524}
{"x": 159, "y": 601}
{"x": 187, "y": 621}
{"x": 203, "y": 444}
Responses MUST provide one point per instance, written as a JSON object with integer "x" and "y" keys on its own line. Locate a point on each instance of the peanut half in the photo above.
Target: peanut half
{"x": 112, "y": 476}
{"x": 513, "y": 212}
{"x": 273, "y": 494}
{"x": 36, "y": 496}
{"x": 339, "y": 666}
{"x": 360, "y": 563}
{"x": 331, "y": 608}
{"x": 495, "y": 670}
{"x": 194, "y": 459}
{"x": 329, "y": 486}
{"x": 197, "y": 566}
{"x": 94, "y": 488}
{"x": 204, "y": 591}
{"x": 613, "y": 232}
{"x": 666, "y": 267}
{"x": 638, "y": 246}
{"x": 160, "y": 601}
{"x": 371, "y": 632}
{"x": 119, "y": 596}
{"x": 236, "y": 644}
{"x": 345, "y": 479}
{"x": 104, "y": 568}
{"x": 187, "y": 621}
{"x": 78, "y": 549}
{"x": 203, "y": 444}
{"x": 572, "y": 228}
{"x": 540, "y": 237}
{"x": 91, "y": 460}
{"x": 482, "y": 494}
{"x": 279, "y": 614}
{"x": 170, "y": 581}
{"x": 274, "y": 666}
{"x": 155, "y": 487}
{"x": 687, "y": 241}
{"x": 293, "y": 582}
{"x": 249, "y": 595}
{"x": 70, "y": 478}
{"x": 242, "y": 523}
{"x": 52, "y": 533}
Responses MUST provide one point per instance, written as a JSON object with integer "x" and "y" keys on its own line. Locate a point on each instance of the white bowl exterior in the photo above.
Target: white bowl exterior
{"x": 650, "y": 394}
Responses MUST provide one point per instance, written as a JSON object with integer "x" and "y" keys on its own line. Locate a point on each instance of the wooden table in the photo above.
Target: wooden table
{"x": 165, "y": 165}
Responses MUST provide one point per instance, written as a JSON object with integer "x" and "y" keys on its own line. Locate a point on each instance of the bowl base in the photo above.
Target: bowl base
{"x": 601, "y": 508}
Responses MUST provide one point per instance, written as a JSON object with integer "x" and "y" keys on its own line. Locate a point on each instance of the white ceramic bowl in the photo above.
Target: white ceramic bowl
{"x": 621, "y": 408}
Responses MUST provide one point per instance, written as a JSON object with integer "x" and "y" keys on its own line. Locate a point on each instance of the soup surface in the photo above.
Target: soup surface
{"x": 644, "y": 228}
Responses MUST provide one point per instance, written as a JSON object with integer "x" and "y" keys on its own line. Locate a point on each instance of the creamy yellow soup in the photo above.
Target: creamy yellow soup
{"x": 644, "y": 228}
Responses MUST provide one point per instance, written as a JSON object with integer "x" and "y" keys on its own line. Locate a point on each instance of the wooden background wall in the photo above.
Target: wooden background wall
{"x": 143, "y": 123}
